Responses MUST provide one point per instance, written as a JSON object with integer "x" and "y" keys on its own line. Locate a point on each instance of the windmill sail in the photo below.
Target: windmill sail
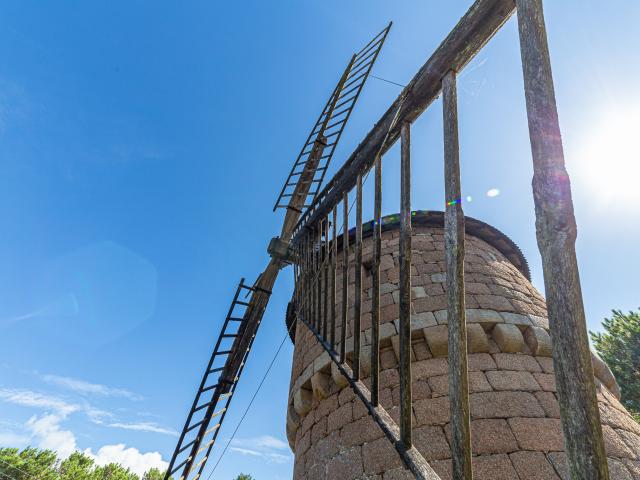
{"x": 232, "y": 348}
{"x": 309, "y": 169}
{"x": 215, "y": 391}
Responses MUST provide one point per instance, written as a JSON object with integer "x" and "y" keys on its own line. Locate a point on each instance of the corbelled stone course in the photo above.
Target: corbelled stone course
{"x": 515, "y": 416}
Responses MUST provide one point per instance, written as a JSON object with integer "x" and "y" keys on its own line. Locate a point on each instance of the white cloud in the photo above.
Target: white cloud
{"x": 493, "y": 192}
{"x": 13, "y": 439}
{"x": 246, "y": 451}
{"x": 28, "y": 398}
{"x": 62, "y": 409}
{"x": 131, "y": 458}
{"x": 267, "y": 441}
{"x": 143, "y": 427}
{"x": 47, "y": 432}
{"x": 264, "y": 446}
{"x": 96, "y": 415}
{"x": 87, "y": 388}
{"x": 268, "y": 456}
{"x": 66, "y": 305}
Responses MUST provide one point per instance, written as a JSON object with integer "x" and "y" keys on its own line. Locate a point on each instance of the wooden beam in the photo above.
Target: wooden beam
{"x": 334, "y": 259}
{"x": 314, "y": 277}
{"x": 405, "y": 288}
{"x": 309, "y": 276}
{"x": 319, "y": 278}
{"x": 473, "y": 31}
{"x": 345, "y": 276}
{"x": 375, "y": 276}
{"x": 456, "y": 318}
{"x": 556, "y": 234}
{"x": 357, "y": 295}
{"x": 325, "y": 290}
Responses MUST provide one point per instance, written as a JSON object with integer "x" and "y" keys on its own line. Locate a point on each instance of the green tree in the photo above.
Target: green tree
{"x": 153, "y": 474}
{"x": 28, "y": 463}
{"x": 619, "y": 347}
{"x": 244, "y": 476}
{"x": 32, "y": 463}
{"x": 113, "y": 471}
{"x": 77, "y": 467}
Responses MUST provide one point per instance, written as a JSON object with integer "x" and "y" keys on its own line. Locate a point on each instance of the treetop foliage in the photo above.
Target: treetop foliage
{"x": 619, "y": 347}
{"x": 32, "y": 463}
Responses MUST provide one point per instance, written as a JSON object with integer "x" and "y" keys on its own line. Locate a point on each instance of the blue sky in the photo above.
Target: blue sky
{"x": 141, "y": 150}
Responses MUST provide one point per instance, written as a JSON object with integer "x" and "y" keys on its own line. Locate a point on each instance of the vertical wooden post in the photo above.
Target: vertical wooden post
{"x": 302, "y": 274}
{"x": 357, "y": 299}
{"x": 334, "y": 264}
{"x": 295, "y": 286}
{"x": 314, "y": 270}
{"x": 345, "y": 276}
{"x": 375, "y": 275}
{"x": 310, "y": 267}
{"x": 405, "y": 286}
{"x": 310, "y": 255}
{"x": 556, "y": 234}
{"x": 319, "y": 280}
{"x": 325, "y": 289}
{"x": 299, "y": 278}
{"x": 307, "y": 289}
{"x": 454, "y": 248}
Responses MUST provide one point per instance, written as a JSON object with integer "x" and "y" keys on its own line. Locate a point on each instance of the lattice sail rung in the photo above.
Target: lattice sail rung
{"x": 214, "y": 394}
{"x": 301, "y": 191}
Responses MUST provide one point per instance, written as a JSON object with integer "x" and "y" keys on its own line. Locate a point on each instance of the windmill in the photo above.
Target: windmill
{"x": 242, "y": 321}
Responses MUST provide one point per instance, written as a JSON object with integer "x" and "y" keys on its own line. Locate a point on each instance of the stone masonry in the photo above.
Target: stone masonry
{"x": 515, "y": 417}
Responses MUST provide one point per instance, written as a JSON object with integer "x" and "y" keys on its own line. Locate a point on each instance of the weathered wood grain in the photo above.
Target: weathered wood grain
{"x": 556, "y": 234}
{"x": 325, "y": 288}
{"x": 454, "y": 255}
{"x": 357, "y": 294}
{"x": 405, "y": 288}
{"x": 345, "y": 275}
{"x": 334, "y": 259}
{"x": 375, "y": 276}
{"x": 318, "y": 276}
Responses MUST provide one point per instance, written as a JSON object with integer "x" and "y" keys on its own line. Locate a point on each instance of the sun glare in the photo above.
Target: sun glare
{"x": 609, "y": 159}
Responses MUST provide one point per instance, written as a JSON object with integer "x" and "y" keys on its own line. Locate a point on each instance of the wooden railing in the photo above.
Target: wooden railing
{"x": 316, "y": 244}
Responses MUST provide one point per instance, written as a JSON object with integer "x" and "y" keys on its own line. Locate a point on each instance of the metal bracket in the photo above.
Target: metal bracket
{"x": 281, "y": 250}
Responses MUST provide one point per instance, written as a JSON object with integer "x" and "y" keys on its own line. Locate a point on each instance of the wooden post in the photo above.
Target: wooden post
{"x": 334, "y": 259}
{"x": 556, "y": 234}
{"x": 307, "y": 290}
{"x": 345, "y": 276}
{"x": 314, "y": 279}
{"x": 454, "y": 248}
{"x": 295, "y": 286}
{"x": 310, "y": 275}
{"x": 325, "y": 289}
{"x": 405, "y": 287}
{"x": 357, "y": 298}
{"x": 375, "y": 275}
{"x": 296, "y": 281}
{"x": 319, "y": 279}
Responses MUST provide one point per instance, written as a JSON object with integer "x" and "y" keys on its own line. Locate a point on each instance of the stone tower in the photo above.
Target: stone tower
{"x": 515, "y": 418}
